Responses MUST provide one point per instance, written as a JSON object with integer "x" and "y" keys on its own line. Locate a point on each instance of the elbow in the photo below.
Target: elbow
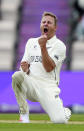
{"x": 50, "y": 69}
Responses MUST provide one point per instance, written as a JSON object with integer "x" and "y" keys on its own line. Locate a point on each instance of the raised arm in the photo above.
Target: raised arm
{"x": 47, "y": 61}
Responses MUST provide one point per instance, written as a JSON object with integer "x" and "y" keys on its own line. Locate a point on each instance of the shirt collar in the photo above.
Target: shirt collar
{"x": 50, "y": 41}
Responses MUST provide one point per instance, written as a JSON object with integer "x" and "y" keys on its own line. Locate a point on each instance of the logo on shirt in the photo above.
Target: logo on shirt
{"x": 49, "y": 47}
{"x": 56, "y": 57}
{"x": 36, "y": 59}
{"x": 35, "y": 46}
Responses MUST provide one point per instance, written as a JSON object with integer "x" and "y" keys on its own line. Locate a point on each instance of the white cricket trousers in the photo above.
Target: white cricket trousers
{"x": 40, "y": 90}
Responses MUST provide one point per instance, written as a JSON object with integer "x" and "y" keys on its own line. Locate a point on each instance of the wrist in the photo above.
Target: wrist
{"x": 43, "y": 48}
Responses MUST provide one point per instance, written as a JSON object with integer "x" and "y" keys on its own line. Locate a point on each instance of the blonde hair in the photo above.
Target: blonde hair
{"x": 52, "y": 15}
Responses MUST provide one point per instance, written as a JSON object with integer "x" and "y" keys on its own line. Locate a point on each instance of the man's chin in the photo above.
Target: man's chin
{"x": 45, "y": 34}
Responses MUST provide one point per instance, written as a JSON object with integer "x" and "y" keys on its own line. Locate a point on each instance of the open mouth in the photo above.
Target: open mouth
{"x": 45, "y": 30}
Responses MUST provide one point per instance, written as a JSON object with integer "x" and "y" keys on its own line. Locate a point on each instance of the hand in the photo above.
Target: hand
{"x": 25, "y": 66}
{"x": 42, "y": 41}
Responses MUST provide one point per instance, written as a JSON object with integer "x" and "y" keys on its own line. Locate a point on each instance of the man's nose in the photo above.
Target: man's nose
{"x": 46, "y": 23}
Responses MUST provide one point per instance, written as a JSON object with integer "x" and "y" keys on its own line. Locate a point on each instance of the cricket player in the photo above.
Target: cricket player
{"x": 38, "y": 78}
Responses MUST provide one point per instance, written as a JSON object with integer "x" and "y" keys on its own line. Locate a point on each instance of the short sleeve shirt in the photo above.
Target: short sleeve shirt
{"x": 56, "y": 50}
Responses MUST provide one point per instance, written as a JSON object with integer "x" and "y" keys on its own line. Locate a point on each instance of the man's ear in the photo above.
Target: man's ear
{"x": 56, "y": 28}
{"x": 40, "y": 26}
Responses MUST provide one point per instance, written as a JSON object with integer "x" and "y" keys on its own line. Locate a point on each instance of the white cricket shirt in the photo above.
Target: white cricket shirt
{"x": 56, "y": 50}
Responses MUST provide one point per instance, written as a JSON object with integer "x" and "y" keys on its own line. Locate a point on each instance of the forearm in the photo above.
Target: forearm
{"x": 47, "y": 62}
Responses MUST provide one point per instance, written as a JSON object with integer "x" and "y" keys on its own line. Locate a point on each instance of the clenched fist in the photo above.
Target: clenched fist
{"x": 25, "y": 66}
{"x": 42, "y": 41}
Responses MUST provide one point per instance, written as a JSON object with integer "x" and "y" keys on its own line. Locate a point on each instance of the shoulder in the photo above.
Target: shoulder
{"x": 31, "y": 41}
{"x": 60, "y": 44}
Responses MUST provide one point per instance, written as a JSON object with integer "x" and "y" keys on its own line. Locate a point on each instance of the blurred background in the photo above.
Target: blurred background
{"x": 20, "y": 20}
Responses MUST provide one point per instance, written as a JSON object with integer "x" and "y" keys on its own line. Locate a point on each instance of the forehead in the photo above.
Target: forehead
{"x": 47, "y": 18}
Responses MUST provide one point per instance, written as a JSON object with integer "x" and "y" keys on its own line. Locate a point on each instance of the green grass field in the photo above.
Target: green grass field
{"x": 40, "y": 122}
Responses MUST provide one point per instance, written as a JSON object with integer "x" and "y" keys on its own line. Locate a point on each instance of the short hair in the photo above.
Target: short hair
{"x": 52, "y": 15}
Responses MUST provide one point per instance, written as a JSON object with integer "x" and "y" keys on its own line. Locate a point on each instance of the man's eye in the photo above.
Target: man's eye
{"x": 49, "y": 22}
{"x": 43, "y": 22}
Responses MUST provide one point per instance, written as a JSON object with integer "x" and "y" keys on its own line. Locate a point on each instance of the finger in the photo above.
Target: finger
{"x": 23, "y": 62}
{"x": 44, "y": 36}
